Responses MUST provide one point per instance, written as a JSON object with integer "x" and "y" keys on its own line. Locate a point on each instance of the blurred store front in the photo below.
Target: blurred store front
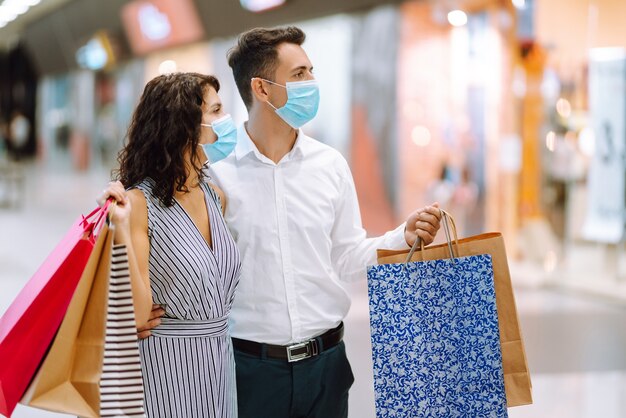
{"x": 509, "y": 116}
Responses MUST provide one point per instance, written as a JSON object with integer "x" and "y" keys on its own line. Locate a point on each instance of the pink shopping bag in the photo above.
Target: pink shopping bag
{"x": 30, "y": 323}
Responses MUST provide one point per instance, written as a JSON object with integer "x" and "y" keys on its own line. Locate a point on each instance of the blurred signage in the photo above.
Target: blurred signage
{"x": 258, "y": 6}
{"x": 606, "y": 208}
{"x": 97, "y": 53}
{"x": 156, "y": 24}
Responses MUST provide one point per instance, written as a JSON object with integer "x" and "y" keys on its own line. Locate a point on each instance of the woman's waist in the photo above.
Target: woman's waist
{"x": 191, "y": 328}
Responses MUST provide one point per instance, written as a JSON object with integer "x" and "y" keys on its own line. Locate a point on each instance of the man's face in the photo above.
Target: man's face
{"x": 293, "y": 65}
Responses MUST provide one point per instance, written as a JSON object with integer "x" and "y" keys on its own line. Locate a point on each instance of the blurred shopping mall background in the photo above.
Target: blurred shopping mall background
{"x": 510, "y": 113}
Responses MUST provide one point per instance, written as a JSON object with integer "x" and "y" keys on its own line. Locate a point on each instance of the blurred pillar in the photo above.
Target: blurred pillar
{"x": 509, "y": 176}
{"x": 423, "y": 107}
{"x": 374, "y": 118}
{"x": 533, "y": 62}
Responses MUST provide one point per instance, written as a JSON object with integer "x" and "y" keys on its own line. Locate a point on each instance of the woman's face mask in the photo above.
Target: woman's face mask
{"x": 303, "y": 99}
{"x": 226, "y": 132}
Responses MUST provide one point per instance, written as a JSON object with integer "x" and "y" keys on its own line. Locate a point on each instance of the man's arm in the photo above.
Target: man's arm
{"x": 352, "y": 251}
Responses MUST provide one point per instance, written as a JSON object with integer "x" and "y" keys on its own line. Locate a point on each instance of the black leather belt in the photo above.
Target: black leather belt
{"x": 293, "y": 352}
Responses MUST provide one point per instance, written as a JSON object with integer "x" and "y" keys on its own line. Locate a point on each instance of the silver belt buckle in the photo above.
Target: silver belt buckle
{"x": 309, "y": 351}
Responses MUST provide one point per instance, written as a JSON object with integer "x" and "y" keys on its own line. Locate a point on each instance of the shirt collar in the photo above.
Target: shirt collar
{"x": 245, "y": 146}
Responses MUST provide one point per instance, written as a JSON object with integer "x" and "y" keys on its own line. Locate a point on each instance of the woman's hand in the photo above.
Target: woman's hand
{"x": 120, "y": 215}
{"x": 114, "y": 189}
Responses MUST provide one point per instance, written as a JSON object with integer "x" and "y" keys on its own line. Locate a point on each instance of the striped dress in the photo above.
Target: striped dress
{"x": 188, "y": 365}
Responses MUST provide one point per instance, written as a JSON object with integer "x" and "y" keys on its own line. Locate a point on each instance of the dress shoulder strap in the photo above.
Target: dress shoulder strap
{"x": 214, "y": 195}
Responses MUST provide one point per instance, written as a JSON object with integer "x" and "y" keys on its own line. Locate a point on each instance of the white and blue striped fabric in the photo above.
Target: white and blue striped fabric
{"x": 188, "y": 362}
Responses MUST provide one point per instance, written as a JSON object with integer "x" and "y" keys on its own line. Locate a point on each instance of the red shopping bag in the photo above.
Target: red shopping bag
{"x": 30, "y": 323}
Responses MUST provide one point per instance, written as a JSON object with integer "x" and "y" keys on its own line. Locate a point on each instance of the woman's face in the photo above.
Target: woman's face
{"x": 211, "y": 111}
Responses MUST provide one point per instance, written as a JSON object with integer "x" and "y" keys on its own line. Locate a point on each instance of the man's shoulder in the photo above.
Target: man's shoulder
{"x": 317, "y": 148}
{"x": 221, "y": 168}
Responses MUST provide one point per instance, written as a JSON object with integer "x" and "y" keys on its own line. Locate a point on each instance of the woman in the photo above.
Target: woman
{"x": 180, "y": 250}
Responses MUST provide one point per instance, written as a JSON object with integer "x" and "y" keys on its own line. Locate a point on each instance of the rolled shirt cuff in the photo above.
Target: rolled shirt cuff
{"x": 394, "y": 240}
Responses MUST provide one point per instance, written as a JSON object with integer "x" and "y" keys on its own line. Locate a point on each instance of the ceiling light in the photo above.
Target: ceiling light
{"x": 11, "y": 9}
{"x": 457, "y": 18}
{"x": 587, "y": 142}
{"x": 551, "y": 141}
{"x": 258, "y": 6}
{"x": 563, "y": 107}
{"x": 168, "y": 67}
{"x": 420, "y": 136}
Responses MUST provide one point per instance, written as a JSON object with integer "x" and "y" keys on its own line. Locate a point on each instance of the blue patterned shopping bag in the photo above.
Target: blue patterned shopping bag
{"x": 435, "y": 339}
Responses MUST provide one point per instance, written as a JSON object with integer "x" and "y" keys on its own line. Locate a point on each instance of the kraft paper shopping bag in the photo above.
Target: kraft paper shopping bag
{"x": 516, "y": 373}
{"x": 68, "y": 379}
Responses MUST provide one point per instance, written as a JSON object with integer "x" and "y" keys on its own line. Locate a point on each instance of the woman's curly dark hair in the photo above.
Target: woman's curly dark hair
{"x": 165, "y": 125}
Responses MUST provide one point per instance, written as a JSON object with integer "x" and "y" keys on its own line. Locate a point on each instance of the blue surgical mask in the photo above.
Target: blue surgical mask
{"x": 303, "y": 100}
{"x": 226, "y": 132}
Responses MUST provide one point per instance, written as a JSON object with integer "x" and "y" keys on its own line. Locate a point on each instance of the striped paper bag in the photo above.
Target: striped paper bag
{"x": 121, "y": 384}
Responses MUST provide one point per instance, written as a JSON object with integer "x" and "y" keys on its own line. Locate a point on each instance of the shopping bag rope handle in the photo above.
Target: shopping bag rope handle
{"x": 447, "y": 221}
{"x": 97, "y": 213}
{"x": 94, "y": 221}
{"x": 105, "y": 215}
{"x": 445, "y": 216}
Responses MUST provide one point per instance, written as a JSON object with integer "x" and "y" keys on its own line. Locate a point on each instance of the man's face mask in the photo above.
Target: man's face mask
{"x": 226, "y": 132}
{"x": 303, "y": 99}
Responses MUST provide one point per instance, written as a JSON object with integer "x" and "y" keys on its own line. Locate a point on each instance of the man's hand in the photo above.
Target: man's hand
{"x": 153, "y": 322}
{"x": 423, "y": 223}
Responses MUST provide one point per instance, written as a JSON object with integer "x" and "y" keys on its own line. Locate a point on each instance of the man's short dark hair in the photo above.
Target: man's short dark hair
{"x": 256, "y": 55}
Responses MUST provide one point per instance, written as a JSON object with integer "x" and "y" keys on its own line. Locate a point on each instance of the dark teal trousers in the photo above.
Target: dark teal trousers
{"x": 312, "y": 388}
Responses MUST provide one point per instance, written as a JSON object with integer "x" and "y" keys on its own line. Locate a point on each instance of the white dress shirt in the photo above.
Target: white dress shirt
{"x": 298, "y": 227}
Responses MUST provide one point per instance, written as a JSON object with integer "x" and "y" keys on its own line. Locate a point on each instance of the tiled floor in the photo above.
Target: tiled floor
{"x": 576, "y": 343}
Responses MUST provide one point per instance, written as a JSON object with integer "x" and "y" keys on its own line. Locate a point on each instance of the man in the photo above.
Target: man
{"x": 294, "y": 213}
{"x": 293, "y": 210}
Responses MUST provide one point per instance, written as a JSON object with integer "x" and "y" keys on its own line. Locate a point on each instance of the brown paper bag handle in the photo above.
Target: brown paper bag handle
{"x": 449, "y": 228}
{"x": 450, "y": 220}
{"x": 112, "y": 206}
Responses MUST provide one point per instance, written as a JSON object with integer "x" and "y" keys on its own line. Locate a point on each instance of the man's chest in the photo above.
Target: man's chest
{"x": 269, "y": 201}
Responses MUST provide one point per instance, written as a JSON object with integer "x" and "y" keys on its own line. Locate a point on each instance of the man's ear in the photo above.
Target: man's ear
{"x": 259, "y": 89}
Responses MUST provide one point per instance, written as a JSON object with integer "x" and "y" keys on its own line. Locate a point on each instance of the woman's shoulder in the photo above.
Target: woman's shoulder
{"x": 220, "y": 194}
{"x": 139, "y": 208}
{"x": 145, "y": 185}
{"x": 136, "y": 193}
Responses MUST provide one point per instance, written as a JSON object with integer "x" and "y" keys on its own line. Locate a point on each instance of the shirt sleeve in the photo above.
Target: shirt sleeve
{"x": 351, "y": 250}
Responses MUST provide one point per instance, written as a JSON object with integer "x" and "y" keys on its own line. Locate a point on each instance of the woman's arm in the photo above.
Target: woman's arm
{"x": 130, "y": 220}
